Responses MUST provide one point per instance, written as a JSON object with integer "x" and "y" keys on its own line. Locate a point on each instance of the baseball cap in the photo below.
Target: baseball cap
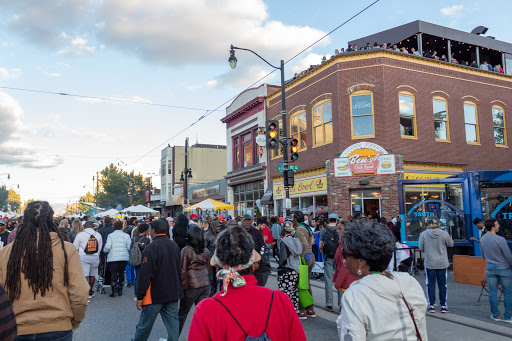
{"x": 169, "y": 219}
{"x": 2, "y": 222}
{"x": 215, "y": 223}
{"x": 246, "y": 217}
{"x": 333, "y": 216}
{"x": 194, "y": 216}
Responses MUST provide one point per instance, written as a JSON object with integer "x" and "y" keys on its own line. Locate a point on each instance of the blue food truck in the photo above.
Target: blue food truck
{"x": 455, "y": 202}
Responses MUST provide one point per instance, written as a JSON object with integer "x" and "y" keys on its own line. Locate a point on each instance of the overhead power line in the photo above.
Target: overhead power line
{"x": 209, "y": 112}
{"x": 109, "y": 99}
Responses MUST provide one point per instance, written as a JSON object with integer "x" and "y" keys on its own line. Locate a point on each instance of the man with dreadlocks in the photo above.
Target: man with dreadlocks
{"x": 43, "y": 278}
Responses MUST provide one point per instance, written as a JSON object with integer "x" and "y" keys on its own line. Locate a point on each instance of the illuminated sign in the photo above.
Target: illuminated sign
{"x": 310, "y": 185}
{"x": 364, "y": 158}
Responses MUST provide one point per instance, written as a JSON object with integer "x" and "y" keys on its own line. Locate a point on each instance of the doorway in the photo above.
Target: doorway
{"x": 367, "y": 201}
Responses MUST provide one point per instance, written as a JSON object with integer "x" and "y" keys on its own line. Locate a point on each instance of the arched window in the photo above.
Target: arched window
{"x": 499, "y": 124}
{"x": 322, "y": 123}
{"x": 441, "y": 123}
{"x": 361, "y": 114}
{"x": 471, "y": 123}
{"x": 277, "y": 152}
{"x": 407, "y": 107}
{"x": 298, "y": 129}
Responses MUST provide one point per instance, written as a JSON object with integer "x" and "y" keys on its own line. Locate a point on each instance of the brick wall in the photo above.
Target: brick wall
{"x": 386, "y": 73}
{"x": 338, "y": 189}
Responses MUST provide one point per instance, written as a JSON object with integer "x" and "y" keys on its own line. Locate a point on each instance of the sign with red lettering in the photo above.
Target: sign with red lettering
{"x": 364, "y": 158}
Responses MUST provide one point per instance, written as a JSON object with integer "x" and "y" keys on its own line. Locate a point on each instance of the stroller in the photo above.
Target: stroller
{"x": 103, "y": 277}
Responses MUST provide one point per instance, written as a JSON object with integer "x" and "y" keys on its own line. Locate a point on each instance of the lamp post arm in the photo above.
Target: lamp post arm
{"x": 239, "y": 48}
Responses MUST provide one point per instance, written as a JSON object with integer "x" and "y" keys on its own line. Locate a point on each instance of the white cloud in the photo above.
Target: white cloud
{"x": 213, "y": 83}
{"x": 77, "y": 46}
{"x": 306, "y": 62}
{"x": 194, "y": 87}
{"x": 92, "y": 100}
{"x": 453, "y": 11}
{"x": 245, "y": 76}
{"x": 12, "y": 150}
{"x": 8, "y": 74}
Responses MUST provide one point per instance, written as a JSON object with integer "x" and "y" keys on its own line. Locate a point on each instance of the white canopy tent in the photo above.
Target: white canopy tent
{"x": 138, "y": 211}
{"x": 111, "y": 213}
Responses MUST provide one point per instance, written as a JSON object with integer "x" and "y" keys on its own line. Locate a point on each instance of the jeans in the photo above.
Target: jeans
{"x": 329, "y": 269}
{"x": 213, "y": 281}
{"x": 137, "y": 270}
{"x": 192, "y": 296}
{"x": 169, "y": 313}
{"x": 439, "y": 276}
{"x": 52, "y": 336}
{"x": 130, "y": 274}
{"x": 499, "y": 274}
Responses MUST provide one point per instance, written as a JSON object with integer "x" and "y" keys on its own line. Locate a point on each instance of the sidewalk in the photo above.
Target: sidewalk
{"x": 467, "y": 317}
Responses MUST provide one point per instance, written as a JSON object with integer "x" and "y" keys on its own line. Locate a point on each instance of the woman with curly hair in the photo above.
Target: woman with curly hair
{"x": 380, "y": 305}
{"x": 43, "y": 278}
{"x": 243, "y": 309}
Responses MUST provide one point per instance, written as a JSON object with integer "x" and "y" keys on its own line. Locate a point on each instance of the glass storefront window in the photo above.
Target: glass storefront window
{"x": 361, "y": 111}
{"x": 497, "y": 203}
{"x": 441, "y": 202}
{"x": 440, "y": 106}
{"x": 365, "y": 201}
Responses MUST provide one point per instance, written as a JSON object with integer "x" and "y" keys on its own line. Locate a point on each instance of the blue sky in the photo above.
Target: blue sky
{"x": 161, "y": 52}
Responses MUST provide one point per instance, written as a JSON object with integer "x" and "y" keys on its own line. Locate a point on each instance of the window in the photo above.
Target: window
{"x": 441, "y": 126}
{"x": 298, "y": 129}
{"x": 361, "y": 112}
{"x": 278, "y": 152}
{"x": 498, "y": 121}
{"x": 407, "y": 109}
{"x": 322, "y": 123}
{"x": 247, "y": 149}
{"x": 471, "y": 123}
{"x": 169, "y": 167}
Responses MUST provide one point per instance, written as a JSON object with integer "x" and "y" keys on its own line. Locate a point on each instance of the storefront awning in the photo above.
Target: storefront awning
{"x": 268, "y": 195}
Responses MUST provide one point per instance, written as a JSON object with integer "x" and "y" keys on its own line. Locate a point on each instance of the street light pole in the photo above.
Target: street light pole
{"x": 284, "y": 136}
{"x": 186, "y": 174}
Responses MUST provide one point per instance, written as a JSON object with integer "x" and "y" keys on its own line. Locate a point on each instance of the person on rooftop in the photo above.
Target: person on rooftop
{"x": 376, "y": 45}
{"x": 414, "y": 52}
{"x": 350, "y": 48}
{"x": 384, "y": 46}
{"x": 403, "y": 49}
{"x": 355, "y": 48}
{"x": 367, "y": 47}
{"x": 443, "y": 58}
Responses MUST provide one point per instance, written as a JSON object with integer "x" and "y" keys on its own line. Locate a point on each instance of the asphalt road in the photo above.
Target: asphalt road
{"x": 115, "y": 319}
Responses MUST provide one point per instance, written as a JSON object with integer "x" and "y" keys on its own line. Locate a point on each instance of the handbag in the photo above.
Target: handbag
{"x": 305, "y": 298}
{"x": 303, "y": 275}
{"x": 418, "y": 335}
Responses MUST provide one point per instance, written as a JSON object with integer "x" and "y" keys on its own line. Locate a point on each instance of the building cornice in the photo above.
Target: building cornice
{"x": 251, "y": 104}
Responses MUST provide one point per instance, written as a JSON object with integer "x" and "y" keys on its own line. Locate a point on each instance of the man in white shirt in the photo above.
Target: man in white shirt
{"x": 89, "y": 243}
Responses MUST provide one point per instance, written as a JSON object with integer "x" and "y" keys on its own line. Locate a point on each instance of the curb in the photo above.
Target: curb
{"x": 473, "y": 323}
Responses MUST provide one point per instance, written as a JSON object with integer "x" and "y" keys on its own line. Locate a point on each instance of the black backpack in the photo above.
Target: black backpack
{"x": 262, "y": 337}
{"x": 92, "y": 245}
{"x": 331, "y": 242}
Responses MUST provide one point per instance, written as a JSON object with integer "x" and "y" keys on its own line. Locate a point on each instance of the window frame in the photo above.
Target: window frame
{"x": 296, "y": 116}
{"x": 477, "y": 125}
{"x": 442, "y": 99}
{"x": 313, "y": 135}
{"x": 238, "y": 145}
{"x": 277, "y": 153}
{"x": 415, "y": 125}
{"x": 504, "y": 127}
{"x": 361, "y": 93}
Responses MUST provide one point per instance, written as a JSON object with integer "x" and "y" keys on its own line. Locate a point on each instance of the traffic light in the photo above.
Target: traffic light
{"x": 272, "y": 134}
{"x": 294, "y": 149}
{"x": 289, "y": 178}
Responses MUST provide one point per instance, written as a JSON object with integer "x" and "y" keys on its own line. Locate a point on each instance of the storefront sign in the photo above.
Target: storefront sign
{"x": 364, "y": 158}
{"x": 206, "y": 192}
{"x": 310, "y": 185}
{"x": 426, "y": 176}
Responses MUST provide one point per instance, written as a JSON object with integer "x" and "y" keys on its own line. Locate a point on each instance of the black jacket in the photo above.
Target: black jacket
{"x": 160, "y": 268}
{"x": 260, "y": 246}
{"x": 104, "y": 232}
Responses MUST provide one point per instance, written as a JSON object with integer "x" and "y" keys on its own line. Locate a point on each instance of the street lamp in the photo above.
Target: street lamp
{"x": 14, "y": 185}
{"x": 186, "y": 174}
{"x": 284, "y": 137}
{"x": 8, "y": 175}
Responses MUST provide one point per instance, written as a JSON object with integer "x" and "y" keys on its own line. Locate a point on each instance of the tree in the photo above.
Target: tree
{"x": 86, "y": 198}
{"x": 114, "y": 184}
{"x": 14, "y": 200}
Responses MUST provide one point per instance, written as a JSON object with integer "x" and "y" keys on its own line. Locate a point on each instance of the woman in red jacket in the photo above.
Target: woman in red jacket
{"x": 242, "y": 308}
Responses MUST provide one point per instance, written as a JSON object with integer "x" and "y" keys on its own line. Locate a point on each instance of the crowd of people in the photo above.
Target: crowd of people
{"x": 215, "y": 263}
{"x": 431, "y": 54}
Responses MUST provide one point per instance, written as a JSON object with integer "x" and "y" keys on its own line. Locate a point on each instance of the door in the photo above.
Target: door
{"x": 372, "y": 207}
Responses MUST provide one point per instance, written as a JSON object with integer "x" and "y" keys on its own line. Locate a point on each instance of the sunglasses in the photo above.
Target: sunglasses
{"x": 346, "y": 253}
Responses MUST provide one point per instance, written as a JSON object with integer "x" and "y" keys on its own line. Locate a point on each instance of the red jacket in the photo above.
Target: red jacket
{"x": 342, "y": 279}
{"x": 267, "y": 235}
{"x": 249, "y": 305}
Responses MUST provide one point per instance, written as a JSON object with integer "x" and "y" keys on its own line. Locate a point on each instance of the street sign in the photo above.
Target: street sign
{"x": 261, "y": 140}
{"x": 288, "y": 203}
{"x": 294, "y": 168}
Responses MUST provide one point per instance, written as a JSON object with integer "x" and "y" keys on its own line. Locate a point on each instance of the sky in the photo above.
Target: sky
{"x": 141, "y": 71}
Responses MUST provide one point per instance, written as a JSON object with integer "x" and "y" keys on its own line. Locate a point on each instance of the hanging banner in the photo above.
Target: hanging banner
{"x": 364, "y": 158}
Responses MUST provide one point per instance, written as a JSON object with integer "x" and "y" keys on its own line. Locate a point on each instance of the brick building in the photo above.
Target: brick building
{"x": 437, "y": 118}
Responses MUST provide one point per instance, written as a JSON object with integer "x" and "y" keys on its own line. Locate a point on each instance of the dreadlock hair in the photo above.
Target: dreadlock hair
{"x": 32, "y": 252}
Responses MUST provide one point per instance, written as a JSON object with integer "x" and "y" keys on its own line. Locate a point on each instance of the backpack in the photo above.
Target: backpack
{"x": 135, "y": 255}
{"x": 331, "y": 242}
{"x": 262, "y": 337}
{"x": 92, "y": 245}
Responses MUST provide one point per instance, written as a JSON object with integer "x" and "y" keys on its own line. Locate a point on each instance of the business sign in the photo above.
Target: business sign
{"x": 364, "y": 158}
{"x": 206, "y": 192}
{"x": 310, "y": 185}
{"x": 261, "y": 140}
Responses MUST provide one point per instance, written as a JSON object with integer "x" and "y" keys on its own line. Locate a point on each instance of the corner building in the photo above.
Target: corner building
{"x": 437, "y": 118}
